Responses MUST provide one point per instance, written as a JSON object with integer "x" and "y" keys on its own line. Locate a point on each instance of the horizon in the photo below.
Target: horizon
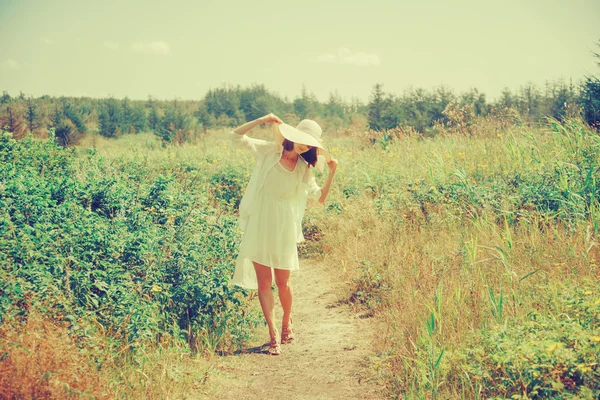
{"x": 182, "y": 50}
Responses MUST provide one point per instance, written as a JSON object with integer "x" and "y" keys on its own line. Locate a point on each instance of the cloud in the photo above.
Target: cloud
{"x": 111, "y": 45}
{"x": 160, "y": 47}
{"x": 47, "y": 41}
{"x": 11, "y": 64}
{"x": 345, "y": 56}
{"x": 326, "y": 58}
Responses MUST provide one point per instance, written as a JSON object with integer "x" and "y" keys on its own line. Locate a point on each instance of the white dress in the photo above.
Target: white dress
{"x": 271, "y": 234}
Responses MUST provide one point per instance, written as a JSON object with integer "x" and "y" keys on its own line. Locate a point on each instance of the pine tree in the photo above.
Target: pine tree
{"x": 153, "y": 118}
{"x": 110, "y": 118}
{"x": 377, "y": 107}
{"x": 32, "y": 114}
{"x": 590, "y": 97}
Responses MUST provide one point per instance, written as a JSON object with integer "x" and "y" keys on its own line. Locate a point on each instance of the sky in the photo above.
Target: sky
{"x": 181, "y": 49}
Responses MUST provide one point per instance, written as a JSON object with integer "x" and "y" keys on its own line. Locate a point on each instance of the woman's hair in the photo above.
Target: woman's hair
{"x": 309, "y": 156}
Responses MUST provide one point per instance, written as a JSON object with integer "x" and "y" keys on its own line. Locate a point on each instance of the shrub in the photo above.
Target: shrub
{"x": 144, "y": 261}
{"x": 539, "y": 355}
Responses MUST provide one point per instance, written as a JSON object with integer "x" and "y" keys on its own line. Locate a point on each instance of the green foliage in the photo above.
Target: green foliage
{"x": 117, "y": 117}
{"x": 226, "y": 186}
{"x": 5, "y": 98}
{"x": 306, "y": 106}
{"x": 32, "y": 115}
{"x": 590, "y": 100}
{"x": 368, "y": 286}
{"x": 566, "y": 190}
{"x": 224, "y": 102}
{"x": 422, "y": 109}
{"x": 67, "y": 122}
{"x": 143, "y": 258}
{"x": 378, "y": 107}
{"x": 539, "y": 355}
{"x": 205, "y": 119}
{"x": 176, "y": 125}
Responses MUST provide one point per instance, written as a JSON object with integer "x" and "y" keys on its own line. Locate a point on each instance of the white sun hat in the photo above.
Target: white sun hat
{"x": 307, "y": 132}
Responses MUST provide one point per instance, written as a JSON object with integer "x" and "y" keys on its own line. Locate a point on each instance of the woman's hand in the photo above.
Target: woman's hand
{"x": 270, "y": 118}
{"x": 242, "y": 130}
{"x": 332, "y": 164}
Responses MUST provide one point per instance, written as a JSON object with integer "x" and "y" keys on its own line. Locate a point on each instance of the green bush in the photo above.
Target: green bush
{"x": 226, "y": 187}
{"x": 552, "y": 355}
{"x": 143, "y": 260}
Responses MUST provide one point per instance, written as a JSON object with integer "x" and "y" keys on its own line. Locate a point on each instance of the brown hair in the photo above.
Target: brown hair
{"x": 309, "y": 156}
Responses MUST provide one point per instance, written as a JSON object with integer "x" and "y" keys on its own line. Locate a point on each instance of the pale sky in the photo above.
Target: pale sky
{"x": 180, "y": 49}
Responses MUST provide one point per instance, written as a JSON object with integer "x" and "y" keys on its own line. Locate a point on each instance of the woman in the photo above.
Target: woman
{"x": 271, "y": 213}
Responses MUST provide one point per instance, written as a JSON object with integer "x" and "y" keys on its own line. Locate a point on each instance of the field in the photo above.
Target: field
{"x": 476, "y": 249}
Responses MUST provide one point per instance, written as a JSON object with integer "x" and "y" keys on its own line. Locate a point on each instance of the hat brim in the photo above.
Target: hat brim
{"x": 297, "y": 136}
{"x": 285, "y": 131}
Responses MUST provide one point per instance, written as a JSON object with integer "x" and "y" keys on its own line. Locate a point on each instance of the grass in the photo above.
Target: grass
{"x": 450, "y": 240}
{"x": 454, "y": 260}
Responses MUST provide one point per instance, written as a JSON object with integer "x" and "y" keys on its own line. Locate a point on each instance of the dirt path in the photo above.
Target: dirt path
{"x": 327, "y": 360}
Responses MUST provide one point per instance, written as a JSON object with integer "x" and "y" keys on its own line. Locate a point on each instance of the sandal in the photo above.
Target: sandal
{"x": 274, "y": 348}
{"x": 287, "y": 333}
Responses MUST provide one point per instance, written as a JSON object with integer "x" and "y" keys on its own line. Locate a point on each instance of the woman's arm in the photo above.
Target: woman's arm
{"x": 325, "y": 188}
{"x": 243, "y": 129}
{"x": 239, "y": 138}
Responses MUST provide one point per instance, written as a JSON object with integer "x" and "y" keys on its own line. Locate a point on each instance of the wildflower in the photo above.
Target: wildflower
{"x": 587, "y": 293}
{"x": 595, "y": 339}
{"x": 156, "y": 288}
{"x": 553, "y": 347}
{"x": 584, "y": 368}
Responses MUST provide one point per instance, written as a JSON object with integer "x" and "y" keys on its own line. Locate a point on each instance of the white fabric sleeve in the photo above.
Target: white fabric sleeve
{"x": 313, "y": 190}
{"x": 248, "y": 143}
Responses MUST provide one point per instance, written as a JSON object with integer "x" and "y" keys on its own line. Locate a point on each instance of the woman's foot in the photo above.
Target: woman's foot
{"x": 274, "y": 344}
{"x": 287, "y": 333}
{"x": 274, "y": 347}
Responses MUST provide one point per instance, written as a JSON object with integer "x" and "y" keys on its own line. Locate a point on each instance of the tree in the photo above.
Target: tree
{"x": 67, "y": 124}
{"x": 206, "y": 119}
{"x": 32, "y": 114}
{"x": 334, "y": 107}
{"x": 175, "y": 126}
{"x": 377, "y": 108}
{"x": 589, "y": 97}
{"x": 224, "y": 101}
{"x": 475, "y": 99}
{"x": 138, "y": 118}
{"x": 590, "y": 101}
{"x": 153, "y": 118}
{"x": 306, "y": 106}
{"x": 529, "y": 101}
{"x": 257, "y": 101}
{"x": 559, "y": 98}
{"x": 126, "y": 116}
{"x": 507, "y": 99}
{"x": 5, "y": 97}
{"x": 110, "y": 118}
{"x": 12, "y": 123}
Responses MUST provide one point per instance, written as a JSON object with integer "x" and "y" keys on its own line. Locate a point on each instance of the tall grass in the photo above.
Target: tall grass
{"x": 469, "y": 234}
{"x": 477, "y": 250}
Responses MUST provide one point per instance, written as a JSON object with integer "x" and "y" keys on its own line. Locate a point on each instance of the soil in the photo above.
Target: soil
{"x": 329, "y": 358}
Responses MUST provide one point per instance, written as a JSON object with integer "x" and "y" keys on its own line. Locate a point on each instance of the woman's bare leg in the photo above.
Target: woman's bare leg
{"x": 282, "y": 279}
{"x": 265, "y": 296}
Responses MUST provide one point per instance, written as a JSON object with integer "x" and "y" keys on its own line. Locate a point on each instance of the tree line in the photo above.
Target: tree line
{"x": 422, "y": 109}
{"x": 180, "y": 120}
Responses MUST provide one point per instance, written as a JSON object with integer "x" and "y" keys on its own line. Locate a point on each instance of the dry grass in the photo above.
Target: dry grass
{"x": 41, "y": 361}
{"x": 413, "y": 267}
{"x": 409, "y": 265}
